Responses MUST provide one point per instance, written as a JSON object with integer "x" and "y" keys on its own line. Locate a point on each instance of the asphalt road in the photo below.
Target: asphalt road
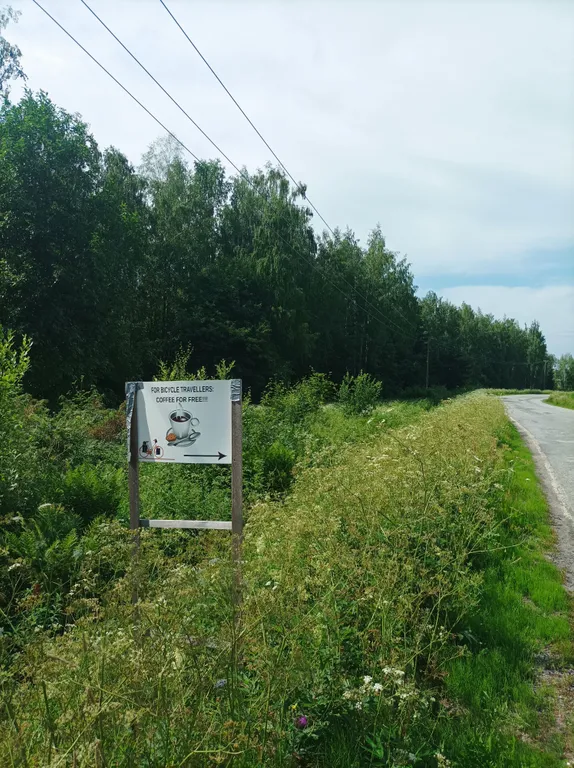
{"x": 549, "y": 433}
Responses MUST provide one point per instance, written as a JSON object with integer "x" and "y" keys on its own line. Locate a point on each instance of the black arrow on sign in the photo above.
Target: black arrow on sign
{"x": 217, "y": 455}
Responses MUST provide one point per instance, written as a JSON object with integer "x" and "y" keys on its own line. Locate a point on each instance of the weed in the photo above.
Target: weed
{"x": 563, "y": 399}
{"x": 380, "y": 607}
{"x": 359, "y": 394}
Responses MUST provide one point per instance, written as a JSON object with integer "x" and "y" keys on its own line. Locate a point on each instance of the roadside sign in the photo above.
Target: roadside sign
{"x": 184, "y": 422}
{"x": 187, "y": 422}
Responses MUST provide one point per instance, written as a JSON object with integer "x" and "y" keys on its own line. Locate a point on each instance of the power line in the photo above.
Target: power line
{"x": 159, "y": 85}
{"x": 246, "y": 116}
{"x": 242, "y": 173}
{"x": 252, "y": 124}
{"x": 129, "y": 93}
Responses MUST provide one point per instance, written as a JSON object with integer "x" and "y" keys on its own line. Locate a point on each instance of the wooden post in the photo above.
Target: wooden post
{"x": 134, "y": 483}
{"x": 236, "y": 494}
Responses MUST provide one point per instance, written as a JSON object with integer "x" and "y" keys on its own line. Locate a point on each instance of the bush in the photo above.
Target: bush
{"x": 295, "y": 403}
{"x": 21, "y": 471}
{"x": 359, "y": 394}
{"x": 277, "y": 467}
{"x": 93, "y": 491}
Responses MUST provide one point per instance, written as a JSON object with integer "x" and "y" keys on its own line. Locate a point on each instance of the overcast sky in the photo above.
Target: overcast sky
{"x": 451, "y": 124}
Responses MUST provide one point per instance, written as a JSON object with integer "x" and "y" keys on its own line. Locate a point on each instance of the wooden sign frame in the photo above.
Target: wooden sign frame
{"x": 236, "y": 523}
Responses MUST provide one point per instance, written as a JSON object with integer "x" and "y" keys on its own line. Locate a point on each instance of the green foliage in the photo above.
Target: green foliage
{"x": 499, "y": 392}
{"x": 46, "y": 546}
{"x": 10, "y": 67}
{"x": 294, "y": 403}
{"x": 564, "y": 373}
{"x": 277, "y": 464}
{"x": 386, "y": 618}
{"x": 469, "y": 349}
{"x": 110, "y": 270}
{"x": 563, "y": 399}
{"x": 179, "y": 369}
{"x": 22, "y": 478}
{"x": 91, "y": 491}
{"x": 524, "y": 613}
{"x": 359, "y": 394}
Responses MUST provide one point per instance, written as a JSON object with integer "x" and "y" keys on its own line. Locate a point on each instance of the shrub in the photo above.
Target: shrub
{"x": 23, "y": 474}
{"x": 359, "y": 394}
{"x": 93, "y": 491}
{"x": 277, "y": 467}
{"x": 295, "y": 403}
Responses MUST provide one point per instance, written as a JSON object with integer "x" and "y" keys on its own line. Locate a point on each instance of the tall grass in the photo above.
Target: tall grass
{"x": 563, "y": 399}
{"x": 377, "y": 622}
{"x": 519, "y": 391}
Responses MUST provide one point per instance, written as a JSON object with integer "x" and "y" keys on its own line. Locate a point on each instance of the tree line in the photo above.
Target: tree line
{"x": 110, "y": 269}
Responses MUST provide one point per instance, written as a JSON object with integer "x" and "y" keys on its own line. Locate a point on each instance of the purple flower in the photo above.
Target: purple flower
{"x": 221, "y": 683}
{"x": 301, "y": 722}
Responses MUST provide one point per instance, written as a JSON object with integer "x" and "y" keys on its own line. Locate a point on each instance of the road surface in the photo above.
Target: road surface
{"x": 549, "y": 433}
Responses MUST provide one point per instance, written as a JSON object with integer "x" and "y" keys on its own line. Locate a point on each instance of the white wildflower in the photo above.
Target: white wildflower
{"x": 367, "y": 679}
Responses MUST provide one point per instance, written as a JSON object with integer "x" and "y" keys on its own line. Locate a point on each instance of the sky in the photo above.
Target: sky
{"x": 450, "y": 124}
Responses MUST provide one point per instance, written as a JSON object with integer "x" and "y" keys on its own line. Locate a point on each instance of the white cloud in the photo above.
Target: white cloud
{"x": 552, "y": 306}
{"x": 448, "y": 123}
{"x": 364, "y": 101}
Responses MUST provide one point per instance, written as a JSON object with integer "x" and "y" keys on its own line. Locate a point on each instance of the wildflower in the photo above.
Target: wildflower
{"x": 359, "y": 705}
{"x": 377, "y": 687}
{"x": 367, "y": 679}
{"x": 221, "y": 683}
{"x": 14, "y": 565}
{"x": 347, "y": 694}
{"x": 301, "y": 722}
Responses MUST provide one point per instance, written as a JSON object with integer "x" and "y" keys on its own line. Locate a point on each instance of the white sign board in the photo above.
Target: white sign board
{"x": 184, "y": 422}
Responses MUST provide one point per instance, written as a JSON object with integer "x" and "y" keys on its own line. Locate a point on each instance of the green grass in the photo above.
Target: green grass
{"x": 410, "y": 549}
{"x": 519, "y": 391}
{"x": 563, "y": 399}
{"x": 524, "y": 610}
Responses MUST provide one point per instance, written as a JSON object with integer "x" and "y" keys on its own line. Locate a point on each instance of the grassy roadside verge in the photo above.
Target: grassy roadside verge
{"x": 519, "y": 391}
{"x": 395, "y": 603}
{"x": 563, "y": 399}
{"x": 518, "y": 640}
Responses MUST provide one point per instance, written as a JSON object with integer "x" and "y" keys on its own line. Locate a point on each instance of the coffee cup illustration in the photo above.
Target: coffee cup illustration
{"x": 182, "y": 422}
